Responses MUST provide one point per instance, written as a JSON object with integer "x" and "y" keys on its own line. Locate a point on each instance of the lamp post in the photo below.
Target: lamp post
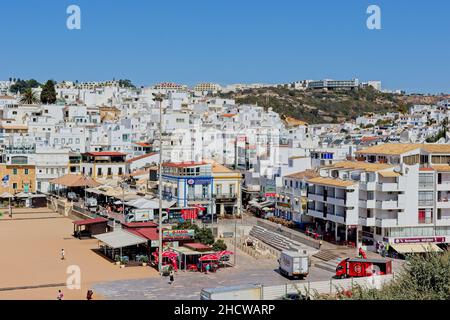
{"x": 160, "y": 98}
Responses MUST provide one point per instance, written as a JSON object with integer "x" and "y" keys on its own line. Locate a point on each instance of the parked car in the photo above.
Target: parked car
{"x": 72, "y": 196}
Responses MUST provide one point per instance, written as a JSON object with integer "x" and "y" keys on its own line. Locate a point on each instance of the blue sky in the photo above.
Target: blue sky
{"x": 190, "y": 41}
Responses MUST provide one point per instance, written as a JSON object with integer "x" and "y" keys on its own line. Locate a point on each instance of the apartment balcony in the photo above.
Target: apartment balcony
{"x": 443, "y": 186}
{"x": 368, "y": 186}
{"x": 315, "y": 213}
{"x": 443, "y": 203}
{"x": 389, "y": 187}
{"x": 225, "y": 196}
{"x": 367, "y": 204}
{"x": 315, "y": 197}
{"x": 335, "y": 218}
{"x": 388, "y": 205}
{"x": 336, "y": 201}
{"x": 199, "y": 198}
{"x": 426, "y": 186}
{"x": 252, "y": 188}
{"x": 367, "y": 222}
{"x": 443, "y": 222}
{"x": 386, "y": 223}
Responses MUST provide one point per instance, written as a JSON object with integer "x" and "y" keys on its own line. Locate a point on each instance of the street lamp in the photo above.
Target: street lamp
{"x": 159, "y": 97}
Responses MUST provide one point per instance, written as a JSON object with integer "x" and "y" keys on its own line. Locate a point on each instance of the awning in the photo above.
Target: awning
{"x": 389, "y": 174}
{"x": 75, "y": 180}
{"x": 120, "y": 239}
{"x": 415, "y": 247}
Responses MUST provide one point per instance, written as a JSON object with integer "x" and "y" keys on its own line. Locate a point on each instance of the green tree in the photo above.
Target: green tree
{"x": 28, "y": 97}
{"x": 48, "y": 94}
{"x": 125, "y": 83}
{"x": 22, "y": 85}
{"x": 219, "y": 245}
{"x": 205, "y": 236}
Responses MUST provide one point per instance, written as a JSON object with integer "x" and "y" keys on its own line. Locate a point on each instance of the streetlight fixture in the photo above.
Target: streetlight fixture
{"x": 159, "y": 97}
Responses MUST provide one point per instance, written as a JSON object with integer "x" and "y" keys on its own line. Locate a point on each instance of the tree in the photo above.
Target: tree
{"x": 28, "y": 97}
{"x": 125, "y": 83}
{"x": 219, "y": 245}
{"x": 22, "y": 85}
{"x": 205, "y": 236}
{"x": 48, "y": 94}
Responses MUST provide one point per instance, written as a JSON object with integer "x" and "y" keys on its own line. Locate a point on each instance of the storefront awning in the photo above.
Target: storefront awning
{"x": 416, "y": 247}
{"x": 120, "y": 239}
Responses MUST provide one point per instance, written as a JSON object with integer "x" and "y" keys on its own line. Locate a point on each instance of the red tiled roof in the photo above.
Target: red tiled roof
{"x": 143, "y": 144}
{"x": 105, "y": 154}
{"x": 197, "y": 246}
{"x": 148, "y": 233}
{"x": 141, "y": 157}
{"x": 89, "y": 221}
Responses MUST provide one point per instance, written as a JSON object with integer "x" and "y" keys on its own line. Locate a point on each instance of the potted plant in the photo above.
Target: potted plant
{"x": 117, "y": 260}
{"x": 144, "y": 260}
{"x": 123, "y": 262}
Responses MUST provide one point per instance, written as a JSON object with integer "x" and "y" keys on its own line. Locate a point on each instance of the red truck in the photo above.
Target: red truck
{"x": 356, "y": 267}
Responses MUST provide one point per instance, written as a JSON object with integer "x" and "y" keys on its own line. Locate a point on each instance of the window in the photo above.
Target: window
{"x": 99, "y": 171}
{"x": 14, "y": 171}
{"x": 426, "y": 180}
{"x": 426, "y": 198}
{"x": 109, "y": 172}
{"x": 120, "y": 171}
{"x": 39, "y": 185}
{"x": 15, "y": 186}
{"x": 26, "y": 171}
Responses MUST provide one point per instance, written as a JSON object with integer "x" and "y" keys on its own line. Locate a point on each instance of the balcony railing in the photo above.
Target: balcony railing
{"x": 225, "y": 195}
{"x": 198, "y": 198}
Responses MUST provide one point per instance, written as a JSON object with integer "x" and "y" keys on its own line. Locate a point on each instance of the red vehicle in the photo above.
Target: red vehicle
{"x": 356, "y": 267}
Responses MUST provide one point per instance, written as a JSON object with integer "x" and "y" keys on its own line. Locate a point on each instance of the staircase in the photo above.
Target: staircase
{"x": 329, "y": 265}
{"x": 275, "y": 240}
{"x": 326, "y": 255}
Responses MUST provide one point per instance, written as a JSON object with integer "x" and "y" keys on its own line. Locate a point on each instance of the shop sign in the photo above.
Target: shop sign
{"x": 194, "y": 181}
{"x": 178, "y": 234}
{"x": 420, "y": 240}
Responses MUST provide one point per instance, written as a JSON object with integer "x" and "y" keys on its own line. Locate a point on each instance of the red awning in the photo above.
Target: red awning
{"x": 197, "y": 246}
{"x": 90, "y": 221}
{"x": 148, "y": 224}
{"x": 209, "y": 257}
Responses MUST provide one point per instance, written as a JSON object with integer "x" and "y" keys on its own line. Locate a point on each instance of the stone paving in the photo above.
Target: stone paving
{"x": 188, "y": 285}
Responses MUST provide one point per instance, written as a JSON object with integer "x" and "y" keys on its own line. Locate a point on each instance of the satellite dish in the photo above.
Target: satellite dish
{"x": 323, "y": 174}
{"x": 398, "y": 169}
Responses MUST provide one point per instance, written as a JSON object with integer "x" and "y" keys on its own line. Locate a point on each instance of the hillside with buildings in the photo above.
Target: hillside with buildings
{"x": 317, "y": 106}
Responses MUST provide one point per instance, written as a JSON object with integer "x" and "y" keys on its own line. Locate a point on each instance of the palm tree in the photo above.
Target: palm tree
{"x": 29, "y": 97}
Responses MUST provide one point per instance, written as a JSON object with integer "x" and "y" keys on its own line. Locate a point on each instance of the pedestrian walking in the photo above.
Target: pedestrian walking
{"x": 63, "y": 254}
{"x": 60, "y": 295}
{"x": 207, "y": 267}
{"x": 89, "y": 294}
{"x": 171, "y": 276}
{"x": 320, "y": 244}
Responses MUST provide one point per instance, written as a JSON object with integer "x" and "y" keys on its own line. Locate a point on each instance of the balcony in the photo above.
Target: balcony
{"x": 388, "y": 187}
{"x": 200, "y": 198}
{"x": 367, "y": 204}
{"x": 443, "y": 186}
{"x": 225, "y": 196}
{"x": 367, "y": 222}
{"x": 368, "y": 186}
{"x": 336, "y": 201}
{"x": 443, "y": 203}
{"x": 315, "y": 214}
{"x": 388, "y": 205}
{"x": 385, "y": 223}
{"x": 315, "y": 197}
{"x": 335, "y": 218}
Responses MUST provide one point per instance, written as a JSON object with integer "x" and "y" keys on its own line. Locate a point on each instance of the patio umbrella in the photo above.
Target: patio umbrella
{"x": 6, "y": 195}
{"x": 22, "y": 195}
{"x": 224, "y": 253}
{"x": 209, "y": 257}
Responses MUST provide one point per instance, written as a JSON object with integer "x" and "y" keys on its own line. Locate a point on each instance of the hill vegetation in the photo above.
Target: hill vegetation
{"x": 321, "y": 106}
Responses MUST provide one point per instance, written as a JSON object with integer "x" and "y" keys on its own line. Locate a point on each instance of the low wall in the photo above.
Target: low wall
{"x": 289, "y": 233}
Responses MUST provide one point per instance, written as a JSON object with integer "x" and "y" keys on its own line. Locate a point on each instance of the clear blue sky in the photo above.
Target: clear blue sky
{"x": 232, "y": 41}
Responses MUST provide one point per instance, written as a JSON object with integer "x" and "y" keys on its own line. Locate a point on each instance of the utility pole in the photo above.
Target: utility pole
{"x": 160, "y": 98}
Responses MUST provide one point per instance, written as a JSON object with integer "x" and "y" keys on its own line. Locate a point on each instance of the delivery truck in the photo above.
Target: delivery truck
{"x": 356, "y": 267}
{"x": 140, "y": 215}
{"x": 241, "y": 292}
{"x": 294, "y": 264}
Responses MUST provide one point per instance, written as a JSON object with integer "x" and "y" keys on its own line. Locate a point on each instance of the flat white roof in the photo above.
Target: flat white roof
{"x": 120, "y": 239}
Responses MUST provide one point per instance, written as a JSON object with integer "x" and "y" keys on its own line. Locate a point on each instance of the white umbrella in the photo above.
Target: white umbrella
{"x": 6, "y": 195}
